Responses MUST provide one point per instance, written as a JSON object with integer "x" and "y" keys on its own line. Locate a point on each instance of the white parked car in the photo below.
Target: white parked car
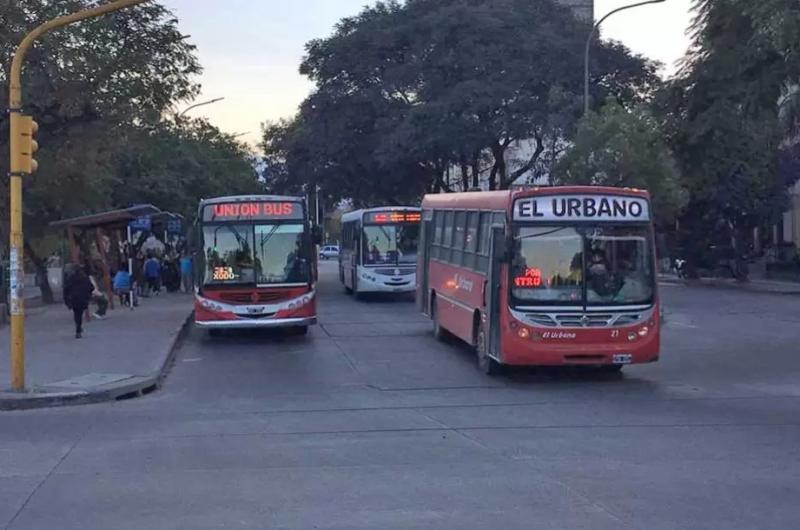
{"x": 329, "y": 252}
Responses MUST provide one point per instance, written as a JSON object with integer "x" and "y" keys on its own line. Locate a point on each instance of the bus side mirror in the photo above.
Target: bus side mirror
{"x": 316, "y": 235}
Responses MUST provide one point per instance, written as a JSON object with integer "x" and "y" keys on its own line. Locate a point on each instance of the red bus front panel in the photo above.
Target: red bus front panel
{"x": 265, "y": 308}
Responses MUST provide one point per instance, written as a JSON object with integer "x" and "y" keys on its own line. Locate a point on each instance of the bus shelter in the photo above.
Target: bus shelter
{"x": 113, "y": 239}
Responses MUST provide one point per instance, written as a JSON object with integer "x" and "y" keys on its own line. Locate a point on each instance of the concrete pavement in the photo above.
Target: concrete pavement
{"x": 370, "y": 423}
{"x": 122, "y": 354}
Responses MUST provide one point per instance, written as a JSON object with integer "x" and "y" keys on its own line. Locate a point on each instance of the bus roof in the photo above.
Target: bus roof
{"x": 359, "y": 214}
{"x": 250, "y": 198}
{"x": 501, "y": 200}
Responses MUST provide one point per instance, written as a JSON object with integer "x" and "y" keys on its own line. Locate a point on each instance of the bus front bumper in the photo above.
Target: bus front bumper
{"x": 256, "y": 324}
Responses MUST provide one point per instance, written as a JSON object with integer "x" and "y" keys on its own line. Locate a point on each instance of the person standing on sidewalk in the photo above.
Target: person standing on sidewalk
{"x": 77, "y": 293}
{"x": 152, "y": 273}
{"x": 186, "y": 272}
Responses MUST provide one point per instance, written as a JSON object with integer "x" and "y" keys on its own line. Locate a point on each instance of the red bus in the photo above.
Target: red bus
{"x": 542, "y": 276}
{"x": 255, "y": 264}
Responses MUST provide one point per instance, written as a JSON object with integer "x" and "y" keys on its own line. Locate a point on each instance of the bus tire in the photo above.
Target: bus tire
{"x": 439, "y": 332}
{"x": 298, "y": 331}
{"x": 486, "y": 364}
{"x": 214, "y": 333}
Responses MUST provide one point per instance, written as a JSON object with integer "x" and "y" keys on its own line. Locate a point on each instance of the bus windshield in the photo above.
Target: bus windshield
{"x": 228, "y": 254}
{"x": 246, "y": 254}
{"x": 580, "y": 266}
{"x": 390, "y": 244}
{"x": 279, "y": 255}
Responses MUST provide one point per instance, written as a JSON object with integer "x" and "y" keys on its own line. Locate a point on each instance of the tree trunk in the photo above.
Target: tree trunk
{"x": 499, "y": 154}
{"x": 740, "y": 267}
{"x": 41, "y": 274}
{"x": 464, "y": 174}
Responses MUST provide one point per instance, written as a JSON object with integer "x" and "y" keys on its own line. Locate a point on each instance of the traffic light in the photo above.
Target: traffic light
{"x": 28, "y": 145}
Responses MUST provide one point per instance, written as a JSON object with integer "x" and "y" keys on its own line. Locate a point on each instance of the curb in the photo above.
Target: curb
{"x": 722, "y": 284}
{"x": 128, "y": 388}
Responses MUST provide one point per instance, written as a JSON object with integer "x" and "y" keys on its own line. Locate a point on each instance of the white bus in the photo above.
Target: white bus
{"x": 379, "y": 250}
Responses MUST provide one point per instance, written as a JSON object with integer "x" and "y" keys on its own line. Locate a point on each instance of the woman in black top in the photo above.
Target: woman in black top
{"x": 77, "y": 294}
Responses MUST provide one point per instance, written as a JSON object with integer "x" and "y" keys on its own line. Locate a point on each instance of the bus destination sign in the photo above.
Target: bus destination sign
{"x": 582, "y": 208}
{"x": 393, "y": 217}
{"x": 253, "y": 211}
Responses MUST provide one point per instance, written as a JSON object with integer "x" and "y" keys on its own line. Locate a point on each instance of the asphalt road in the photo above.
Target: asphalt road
{"x": 369, "y": 423}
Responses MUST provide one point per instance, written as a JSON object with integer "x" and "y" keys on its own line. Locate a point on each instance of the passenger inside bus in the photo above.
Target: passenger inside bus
{"x": 294, "y": 269}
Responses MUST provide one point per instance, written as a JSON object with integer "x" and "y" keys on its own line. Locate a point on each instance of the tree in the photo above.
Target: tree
{"x": 407, "y": 92}
{"x": 723, "y": 114}
{"x": 177, "y": 165}
{"x": 87, "y": 85}
{"x": 625, "y": 148}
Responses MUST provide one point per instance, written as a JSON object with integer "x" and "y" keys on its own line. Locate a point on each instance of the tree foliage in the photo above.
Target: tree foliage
{"x": 406, "y": 92}
{"x": 100, "y": 91}
{"x": 86, "y": 85}
{"x": 723, "y": 114}
{"x": 621, "y": 147}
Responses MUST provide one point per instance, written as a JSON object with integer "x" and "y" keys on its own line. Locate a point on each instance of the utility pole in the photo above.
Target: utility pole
{"x": 22, "y": 164}
{"x": 595, "y": 29}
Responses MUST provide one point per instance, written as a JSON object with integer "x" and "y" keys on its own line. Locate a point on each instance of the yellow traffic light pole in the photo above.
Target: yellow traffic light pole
{"x": 22, "y": 129}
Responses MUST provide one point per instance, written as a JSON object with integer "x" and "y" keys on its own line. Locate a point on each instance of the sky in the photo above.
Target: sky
{"x": 251, "y": 49}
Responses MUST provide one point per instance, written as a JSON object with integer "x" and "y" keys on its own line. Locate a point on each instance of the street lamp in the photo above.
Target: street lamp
{"x": 190, "y": 107}
{"x": 595, "y": 28}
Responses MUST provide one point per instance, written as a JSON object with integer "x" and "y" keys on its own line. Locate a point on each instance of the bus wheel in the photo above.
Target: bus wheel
{"x": 486, "y": 364}
{"x": 214, "y": 333}
{"x": 298, "y": 331}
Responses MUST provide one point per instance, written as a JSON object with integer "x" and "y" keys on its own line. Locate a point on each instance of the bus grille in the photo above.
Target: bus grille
{"x": 583, "y": 320}
{"x": 391, "y": 272}
{"x": 247, "y": 298}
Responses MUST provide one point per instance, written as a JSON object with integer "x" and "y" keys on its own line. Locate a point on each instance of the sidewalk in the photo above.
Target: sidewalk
{"x": 754, "y": 285}
{"x": 123, "y": 354}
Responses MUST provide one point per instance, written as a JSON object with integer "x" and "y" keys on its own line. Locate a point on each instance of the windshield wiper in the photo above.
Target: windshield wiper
{"x": 265, "y": 239}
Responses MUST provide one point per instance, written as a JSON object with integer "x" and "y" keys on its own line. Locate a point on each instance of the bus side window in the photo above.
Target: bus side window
{"x": 485, "y": 231}
{"x": 438, "y": 229}
{"x": 447, "y": 238}
{"x": 471, "y": 244}
{"x": 459, "y": 238}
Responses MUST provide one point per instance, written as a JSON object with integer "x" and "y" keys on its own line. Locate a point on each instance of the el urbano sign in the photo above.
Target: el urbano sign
{"x": 582, "y": 208}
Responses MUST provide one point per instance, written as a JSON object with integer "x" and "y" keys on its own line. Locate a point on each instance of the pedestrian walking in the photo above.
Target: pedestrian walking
{"x": 186, "y": 272}
{"x": 152, "y": 273}
{"x": 77, "y": 293}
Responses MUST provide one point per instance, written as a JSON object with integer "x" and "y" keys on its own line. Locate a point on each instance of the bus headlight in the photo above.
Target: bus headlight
{"x": 632, "y": 336}
{"x": 210, "y": 305}
{"x": 523, "y": 333}
{"x": 643, "y": 331}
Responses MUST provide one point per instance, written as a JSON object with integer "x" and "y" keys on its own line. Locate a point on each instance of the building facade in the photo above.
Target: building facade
{"x": 584, "y": 9}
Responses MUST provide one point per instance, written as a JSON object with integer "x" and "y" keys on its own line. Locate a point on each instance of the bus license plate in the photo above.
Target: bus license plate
{"x": 622, "y": 358}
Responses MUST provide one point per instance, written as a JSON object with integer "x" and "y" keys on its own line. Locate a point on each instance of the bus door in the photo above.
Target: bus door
{"x": 493, "y": 283}
{"x": 423, "y": 278}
